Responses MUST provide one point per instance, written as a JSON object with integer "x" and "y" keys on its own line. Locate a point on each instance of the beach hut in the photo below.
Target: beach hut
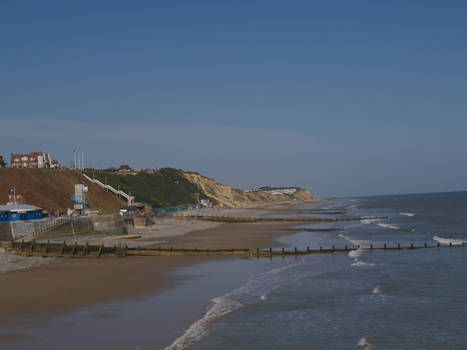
{"x": 20, "y": 212}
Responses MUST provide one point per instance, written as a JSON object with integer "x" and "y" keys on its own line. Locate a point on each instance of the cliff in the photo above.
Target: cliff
{"x": 167, "y": 187}
{"x": 232, "y": 197}
{"x": 52, "y": 189}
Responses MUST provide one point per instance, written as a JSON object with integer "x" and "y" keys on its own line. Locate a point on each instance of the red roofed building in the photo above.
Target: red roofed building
{"x": 33, "y": 160}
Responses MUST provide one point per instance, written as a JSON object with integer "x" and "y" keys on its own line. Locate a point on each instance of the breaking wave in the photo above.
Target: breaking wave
{"x": 258, "y": 288}
{"x": 363, "y": 342}
{"x": 392, "y": 227}
{"x": 407, "y": 214}
{"x": 454, "y": 241}
{"x": 377, "y": 290}
{"x": 360, "y": 263}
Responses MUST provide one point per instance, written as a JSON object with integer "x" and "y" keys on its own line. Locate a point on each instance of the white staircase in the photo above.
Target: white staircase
{"x": 130, "y": 199}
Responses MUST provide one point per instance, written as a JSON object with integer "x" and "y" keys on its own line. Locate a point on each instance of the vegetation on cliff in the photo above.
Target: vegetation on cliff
{"x": 166, "y": 187}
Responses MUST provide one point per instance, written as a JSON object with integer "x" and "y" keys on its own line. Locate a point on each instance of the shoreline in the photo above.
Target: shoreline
{"x": 41, "y": 293}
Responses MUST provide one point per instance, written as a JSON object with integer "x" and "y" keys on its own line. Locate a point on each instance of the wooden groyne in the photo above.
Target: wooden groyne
{"x": 96, "y": 251}
{"x": 288, "y": 219}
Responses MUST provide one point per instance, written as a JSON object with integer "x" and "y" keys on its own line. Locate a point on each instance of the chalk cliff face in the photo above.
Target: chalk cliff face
{"x": 229, "y": 196}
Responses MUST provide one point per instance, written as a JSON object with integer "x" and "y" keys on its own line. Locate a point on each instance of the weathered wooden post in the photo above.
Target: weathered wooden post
{"x": 411, "y": 245}
{"x": 398, "y": 246}
{"x": 320, "y": 248}
{"x": 257, "y": 251}
{"x": 101, "y": 249}
{"x": 307, "y": 249}
{"x": 270, "y": 251}
{"x": 295, "y": 250}
{"x": 346, "y": 248}
{"x": 450, "y": 244}
{"x": 384, "y": 246}
{"x": 283, "y": 251}
{"x": 425, "y": 245}
{"x": 438, "y": 244}
{"x": 73, "y": 250}
{"x": 371, "y": 246}
{"x": 62, "y": 249}
{"x": 46, "y": 249}
{"x": 32, "y": 245}
{"x": 85, "y": 249}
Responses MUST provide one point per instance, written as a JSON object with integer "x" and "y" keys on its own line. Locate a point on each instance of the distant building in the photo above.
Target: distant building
{"x": 17, "y": 212}
{"x": 2, "y": 162}
{"x": 16, "y": 209}
{"x": 33, "y": 160}
{"x": 124, "y": 168}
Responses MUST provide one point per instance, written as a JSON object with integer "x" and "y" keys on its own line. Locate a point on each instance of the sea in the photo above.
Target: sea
{"x": 361, "y": 299}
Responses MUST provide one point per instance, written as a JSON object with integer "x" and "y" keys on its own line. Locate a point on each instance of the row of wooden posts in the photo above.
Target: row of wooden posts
{"x": 86, "y": 250}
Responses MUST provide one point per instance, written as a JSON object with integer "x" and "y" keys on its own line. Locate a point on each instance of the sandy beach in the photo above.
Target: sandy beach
{"x": 57, "y": 288}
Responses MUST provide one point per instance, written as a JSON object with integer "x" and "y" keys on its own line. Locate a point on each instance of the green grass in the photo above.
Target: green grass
{"x": 166, "y": 187}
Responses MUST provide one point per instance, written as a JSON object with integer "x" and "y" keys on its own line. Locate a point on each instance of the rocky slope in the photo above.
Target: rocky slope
{"x": 232, "y": 197}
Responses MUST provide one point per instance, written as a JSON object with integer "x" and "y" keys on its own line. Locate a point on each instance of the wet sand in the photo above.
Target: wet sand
{"x": 59, "y": 287}
{"x": 233, "y": 235}
{"x": 56, "y": 289}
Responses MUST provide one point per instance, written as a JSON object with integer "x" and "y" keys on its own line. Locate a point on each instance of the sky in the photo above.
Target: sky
{"x": 343, "y": 98}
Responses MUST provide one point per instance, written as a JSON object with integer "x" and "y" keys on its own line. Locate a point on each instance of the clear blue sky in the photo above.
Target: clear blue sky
{"x": 340, "y": 97}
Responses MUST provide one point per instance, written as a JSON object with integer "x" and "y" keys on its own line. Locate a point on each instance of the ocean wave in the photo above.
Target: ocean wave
{"x": 407, "y": 214}
{"x": 376, "y": 290}
{"x": 392, "y": 227}
{"x": 369, "y": 221}
{"x": 363, "y": 342}
{"x": 12, "y": 262}
{"x": 258, "y": 287}
{"x": 359, "y": 263}
{"x": 351, "y": 207}
{"x": 355, "y": 253}
{"x": 221, "y": 307}
{"x": 355, "y": 242}
{"x": 454, "y": 241}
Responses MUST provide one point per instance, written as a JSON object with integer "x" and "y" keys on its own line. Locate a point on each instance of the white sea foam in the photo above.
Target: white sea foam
{"x": 454, "y": 241}
{"x": 363, "y": 342}
{"x": 377, "y": 290}
{"x": 369, "y": 221}
{"x": 407, "y": 214}
{"x": 259, "y": 287}
{"x": 221, "y": 307}
{"x": 359, "y": 263}
{"x": 392, "y": 227}
{"x": 355, "y": 242}
{"x": 355, "y": 253}
{"x": 351, "y": 207}
{"x": 11, "y": 262}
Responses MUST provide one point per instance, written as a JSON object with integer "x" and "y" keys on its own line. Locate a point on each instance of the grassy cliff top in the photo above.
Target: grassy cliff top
{"x": 166, "y": 187}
